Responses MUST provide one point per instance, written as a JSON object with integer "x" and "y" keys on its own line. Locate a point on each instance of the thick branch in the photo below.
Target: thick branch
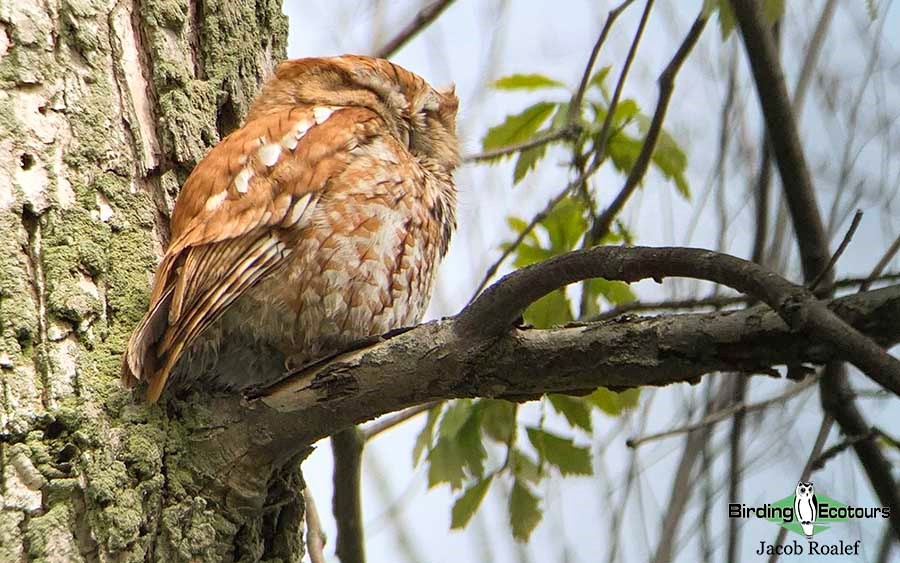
{"x": 434, "y": 362}
{"x": 438, "y": 360}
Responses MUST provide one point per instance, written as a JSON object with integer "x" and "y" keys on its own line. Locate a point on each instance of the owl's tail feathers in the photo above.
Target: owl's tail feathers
{"x": 140, "y": 355}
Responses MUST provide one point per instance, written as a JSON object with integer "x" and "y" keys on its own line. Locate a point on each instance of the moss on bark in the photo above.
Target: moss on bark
{"x": 103, "y": 110}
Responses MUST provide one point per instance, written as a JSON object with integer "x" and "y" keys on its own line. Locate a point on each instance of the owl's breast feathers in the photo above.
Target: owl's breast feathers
{"x": 279, "y": 200}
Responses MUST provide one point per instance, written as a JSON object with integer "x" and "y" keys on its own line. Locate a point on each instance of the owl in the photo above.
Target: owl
{"x": 319, "y": 222}
{"x": 806, "y": 507}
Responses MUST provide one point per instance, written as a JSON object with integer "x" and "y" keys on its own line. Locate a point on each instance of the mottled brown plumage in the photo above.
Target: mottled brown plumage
{"x": 320, "y": 221}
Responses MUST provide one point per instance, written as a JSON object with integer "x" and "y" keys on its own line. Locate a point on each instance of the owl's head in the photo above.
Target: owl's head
{"x": 804, "y": 489}
{"x": 421, "y": 117}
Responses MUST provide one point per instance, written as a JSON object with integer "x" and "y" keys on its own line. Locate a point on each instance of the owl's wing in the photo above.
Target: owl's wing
{"x": 234, "y": 222}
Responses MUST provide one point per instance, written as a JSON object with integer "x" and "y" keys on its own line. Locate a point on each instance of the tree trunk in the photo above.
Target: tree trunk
{"x": 104, "y": 109}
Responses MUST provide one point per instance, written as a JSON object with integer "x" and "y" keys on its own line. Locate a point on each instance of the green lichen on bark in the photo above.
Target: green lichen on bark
{"x": 112, "y": 474}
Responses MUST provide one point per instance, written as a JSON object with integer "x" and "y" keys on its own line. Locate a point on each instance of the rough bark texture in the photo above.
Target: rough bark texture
{"x": 104, "y": 107}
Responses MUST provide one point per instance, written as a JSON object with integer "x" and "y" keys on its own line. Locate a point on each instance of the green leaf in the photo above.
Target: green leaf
{"x": 613, "y": 403}
{"x": 518, "y": 225}
{"x": 773, "y": 10}
{"x": 466, "y": 505}
{"x": 526, "y": 82}
{"x": 470, "y": 445}
{"x": 576, "y": 410}
{"x": 550, "y": 310}
{"x": 726, "y": 17}
{"x": 565, "y": 225}
{"x": 561, "y": 452}
{"x": 423, "y": 440}
{"x": 625, "y": 110}
{"x": 872, "y": 9}
{"x": 445, "y": 465}
{"x": 527, "y": 160}
{"x": 527, "y": 254}
{"x": 518, "y": 128}
{"x": 623, "y": 150}
{"x": 498, "y": 418}
{"x": 599, "y": 77}
{"x": 613, "y": 292}
{"x": 523, "y": 467}
{"x": 672, "y": 162}
{"x": 524, "y": 511}
{"x": 455, "y": 417}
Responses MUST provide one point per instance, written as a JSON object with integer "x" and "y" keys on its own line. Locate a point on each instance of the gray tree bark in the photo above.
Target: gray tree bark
{"x": 104, "y": 108}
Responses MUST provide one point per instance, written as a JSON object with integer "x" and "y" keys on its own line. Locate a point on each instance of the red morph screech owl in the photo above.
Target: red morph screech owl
{"x": 321, "y": 221}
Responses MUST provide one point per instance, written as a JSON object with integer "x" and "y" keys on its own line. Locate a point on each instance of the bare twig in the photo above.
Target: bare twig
{"x": 603, "y": 223}
{"x": 725, "y": 413}
{"x": 837, "y": 399}
{"x": 374, "y": 429}
{"x": 423, "y": 19}
{"x": 347, "y": 447}
{"x": 492, "y": 269}
{"x": 835, "y": 450}
{"x": 536, "y": 141}
{"x": 315, "y": 538}
{"x": 679, "y": 494}
{"x": 578, "y": 96}
{"x": 603, "y": 137}
{"x": 829, "y": 269}
{"x": 784, "y": 137}
{"x": 881, "y": 265}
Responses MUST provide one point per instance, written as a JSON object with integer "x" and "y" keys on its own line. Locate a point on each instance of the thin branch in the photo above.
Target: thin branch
{"x": 494, "y": 312}
{"x": 881, "y": 265}
{"x": 388, "y": 422}
{"x": 540, "y": 216}
{"x": 600, "y": 147}
{"x": 829, "y": 269}
{"x": 720, "y": 301}
{"x": 679, "y": 494}
{"x": 423, "y": 19}
{"x": 784, "y": 137}
{"x": 666, "y": 87}
{"x": 578, "y": 96}
{"x": 725, "y": 413}
{"x": 536, "y": 141}
{"x": 347, "y": 447}
{"x": 840, "y": 447}
{"x": 315, "y": 538}
{"x": 603, "y": 137}
{"x": 838, "y": 400}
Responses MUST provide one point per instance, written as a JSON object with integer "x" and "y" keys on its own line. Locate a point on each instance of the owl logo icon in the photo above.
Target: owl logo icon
{"x": 805, "y": 507}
